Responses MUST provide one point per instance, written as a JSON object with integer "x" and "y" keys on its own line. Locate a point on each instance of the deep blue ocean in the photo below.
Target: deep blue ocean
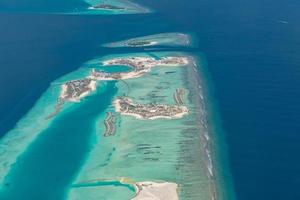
{"x": 253, "y": 54}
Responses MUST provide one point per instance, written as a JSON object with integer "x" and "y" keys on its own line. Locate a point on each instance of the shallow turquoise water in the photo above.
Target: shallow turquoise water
{"x": 173, "y": 147}
{"x": 64, "y": 165}
{"x": 50, "y": 162}
{"x": 105, "y": 183}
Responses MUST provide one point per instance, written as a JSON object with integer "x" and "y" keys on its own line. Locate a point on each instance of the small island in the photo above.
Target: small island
{"x": 134, "y": 43}
{"x": 161, "y": 39}
{"x": 106, "y": 7}
{"x": 75, "y": 90}
{"x": 110, "y": 124}
{"x": 178, "y": 96}
{"x": 126, "y": 106}
{"x": 140, "y": 66}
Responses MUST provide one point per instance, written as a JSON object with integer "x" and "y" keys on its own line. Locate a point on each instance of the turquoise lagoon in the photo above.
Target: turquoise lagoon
{"x": 75, "y": 160}
{"x": 154, "y": 150}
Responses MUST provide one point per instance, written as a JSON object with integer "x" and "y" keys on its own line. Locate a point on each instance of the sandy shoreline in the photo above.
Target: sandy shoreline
{"x": 144, "y": 190}
{"x": 64, "y": 92}
{"x": 156, "y": 191}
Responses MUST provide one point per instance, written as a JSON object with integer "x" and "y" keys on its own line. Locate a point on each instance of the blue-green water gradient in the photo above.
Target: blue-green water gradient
{"x": 50, "y": 163}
